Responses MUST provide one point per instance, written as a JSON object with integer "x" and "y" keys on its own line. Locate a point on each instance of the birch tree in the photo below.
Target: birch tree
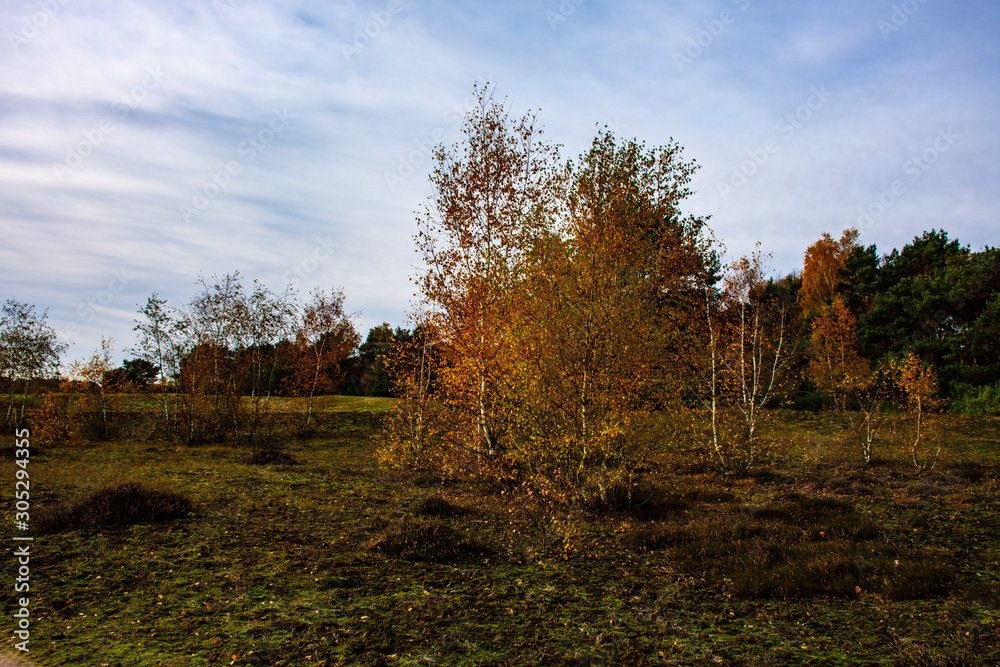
{"x": 747, "y": 353}
{"x": 324, "y": 337}
{"x": 95, "y": 373}
{"x": 29, "y": 350}
{"x": 919, "y": 384}
{"x": 261, "y": 320}
{"x": 413, "y": 433}
{"x": 157, "y": 345}
{"x": 493, "y": 193}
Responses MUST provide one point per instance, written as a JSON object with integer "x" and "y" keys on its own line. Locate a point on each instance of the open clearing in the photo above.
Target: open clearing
{"x": 331, "y": 561}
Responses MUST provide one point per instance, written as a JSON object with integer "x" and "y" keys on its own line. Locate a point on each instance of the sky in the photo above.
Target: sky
{"x": 145, "y": 144}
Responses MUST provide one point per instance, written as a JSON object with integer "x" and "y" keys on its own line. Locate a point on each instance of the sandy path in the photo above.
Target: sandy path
{"x": 9, "y": 659}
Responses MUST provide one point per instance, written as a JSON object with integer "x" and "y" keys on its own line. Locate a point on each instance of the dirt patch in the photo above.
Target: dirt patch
{"x": 8, "y": 659}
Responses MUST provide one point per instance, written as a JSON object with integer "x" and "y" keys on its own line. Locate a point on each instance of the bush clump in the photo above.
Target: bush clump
{"x": 976, "y": 400}
{"x": 918, "y": 579}
{"x": 796, "y": 547}
{"x": 112, "y": 506}
{"x": 437, "y": 506}
{"x": 269, "y": 457}
{"x": 969, "y": 471}
{"x": 850, "y": 485}
{"x": 430, "y": 541}
{"x": 711, "y": 495}
{"x": 659, "y": 537}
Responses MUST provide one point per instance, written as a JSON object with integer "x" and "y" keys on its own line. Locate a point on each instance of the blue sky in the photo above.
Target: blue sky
{"x": 143, "y": 144}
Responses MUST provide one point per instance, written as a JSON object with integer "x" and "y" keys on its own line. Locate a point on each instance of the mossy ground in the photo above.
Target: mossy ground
{"x": 280, "y": 565}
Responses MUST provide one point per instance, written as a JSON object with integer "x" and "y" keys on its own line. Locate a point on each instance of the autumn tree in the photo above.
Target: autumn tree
{"x": 159, "y": 347}
{"x": 95, "y": 373}
{"x": 236, "y": 336}
{"x": 746, "y": 356}
{"x": 918, "y": 383}
{"x": 557, "y": 304}
{"x": 263, "y": 319}
{"x": 324, "y": 338}
{"x": 602, "y": 306}
{"x": 557, "y": 301}
{"x": 493, "y": 193}
{"x": 187, "y": 374}
{"x": 835, "y": 364}
{"x": 29, "y": 350}
{"x": 211, "y": 324}
{"x": 412, "y": 437}
{"x": 224, "y": 346}
{"x": 821, "y": 272}
{"x": 859, "y": 392}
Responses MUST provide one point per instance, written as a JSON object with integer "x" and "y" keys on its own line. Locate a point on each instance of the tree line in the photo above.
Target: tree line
{"x": 212, "y": 365}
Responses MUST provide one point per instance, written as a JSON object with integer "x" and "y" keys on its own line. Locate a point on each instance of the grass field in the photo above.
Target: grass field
{"x": 331, "y": 561}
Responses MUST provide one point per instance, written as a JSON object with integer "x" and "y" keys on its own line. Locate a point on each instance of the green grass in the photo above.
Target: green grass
{"x": 334, "y": 562}
{"x": 334, "y": 404}
{"x": 152, "y": 402}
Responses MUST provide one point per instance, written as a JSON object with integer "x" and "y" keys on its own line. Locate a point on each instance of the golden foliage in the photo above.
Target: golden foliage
{"x": 821, "y": 267}
{"x": 493, "y": 195}
{"x": 918, "y": 383}
{"x": 859, "y": 393}
{"x": 412, "y": 436}
{"x": 555, "y": 303}
{"x": 835, "y": 364}
{"x": 53, "y": 422}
